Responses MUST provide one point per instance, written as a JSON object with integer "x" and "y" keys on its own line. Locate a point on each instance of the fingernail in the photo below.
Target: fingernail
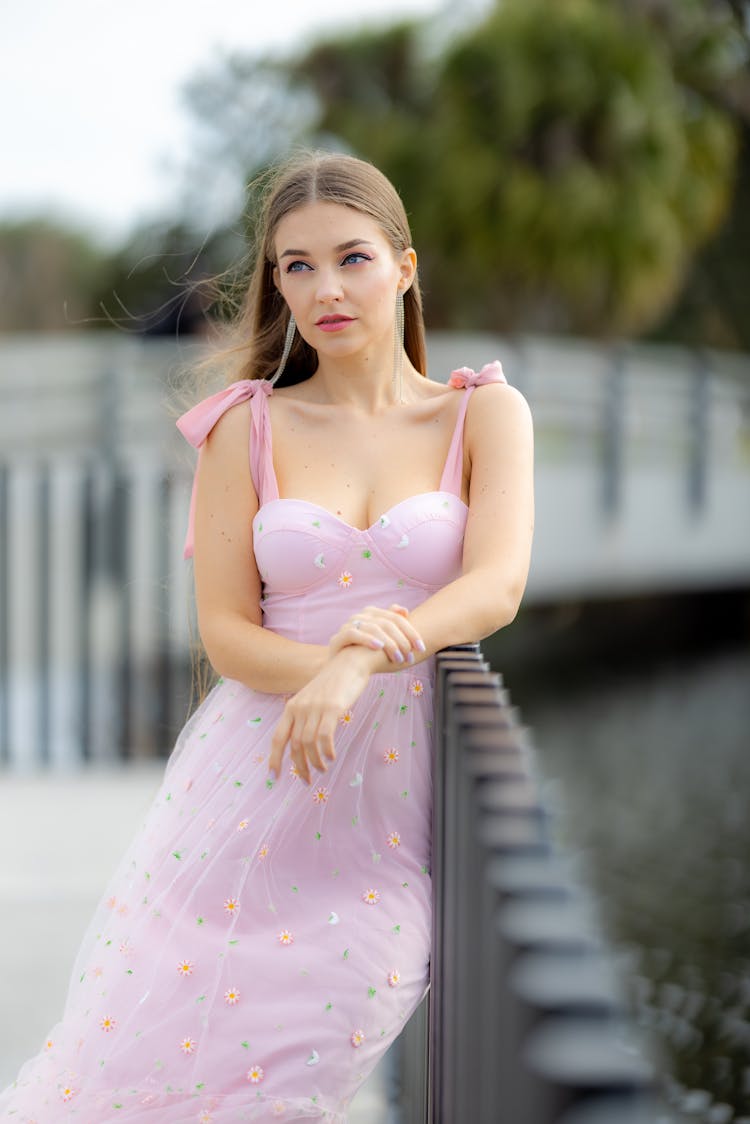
{"x": 410, "y": 658}
{"x": 378, "y": 643}
{"x": 398, "y": 656}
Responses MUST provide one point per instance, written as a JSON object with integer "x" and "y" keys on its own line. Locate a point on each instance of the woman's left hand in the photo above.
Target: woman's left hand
{"x": 310, "y": 717}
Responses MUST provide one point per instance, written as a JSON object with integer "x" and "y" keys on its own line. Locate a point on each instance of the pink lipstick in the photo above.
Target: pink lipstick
{"x": 333, "y": 323}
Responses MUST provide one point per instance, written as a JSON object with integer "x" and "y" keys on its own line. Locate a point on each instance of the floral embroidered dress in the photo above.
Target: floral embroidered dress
{"x": 263, "y": 942}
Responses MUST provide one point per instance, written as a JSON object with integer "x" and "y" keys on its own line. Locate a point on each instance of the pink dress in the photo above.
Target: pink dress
{"x": 263, "y": 942}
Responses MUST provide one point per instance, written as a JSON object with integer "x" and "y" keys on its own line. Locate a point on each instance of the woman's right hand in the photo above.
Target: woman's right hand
{"x": 388, "y": 630}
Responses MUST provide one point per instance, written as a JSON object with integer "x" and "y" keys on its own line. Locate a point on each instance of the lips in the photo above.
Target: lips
{"x": 334, "y": 323}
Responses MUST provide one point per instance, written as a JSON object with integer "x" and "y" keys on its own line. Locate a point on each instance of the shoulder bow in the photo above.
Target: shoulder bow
{"x": 465, "y": 377}
{"x": 197, "y": 423}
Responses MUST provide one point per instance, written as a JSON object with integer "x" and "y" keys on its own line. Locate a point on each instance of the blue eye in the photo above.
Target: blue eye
{"x": 296, "y": 266}
{"x": 356, "y": 254}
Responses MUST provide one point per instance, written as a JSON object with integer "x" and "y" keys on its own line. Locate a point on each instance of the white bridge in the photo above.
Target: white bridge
{"x": 642, "y": 486}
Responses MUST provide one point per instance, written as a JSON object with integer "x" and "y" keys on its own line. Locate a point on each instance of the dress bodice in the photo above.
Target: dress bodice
{"x": 304, "y": 549}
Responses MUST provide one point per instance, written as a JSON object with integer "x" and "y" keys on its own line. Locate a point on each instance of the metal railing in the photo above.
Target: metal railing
{"x": 525, "y": 1023}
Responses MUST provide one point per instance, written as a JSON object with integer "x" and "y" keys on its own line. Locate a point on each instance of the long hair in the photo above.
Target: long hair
{"x": 260, "y": 326}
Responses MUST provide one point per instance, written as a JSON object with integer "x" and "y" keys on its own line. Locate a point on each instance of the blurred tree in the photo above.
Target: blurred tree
{"x": 582, "y": 178}
{"x": 47, "y": 273}
{"x": 562, "y": 163}
{"x": 709, "y": 43}
{"x": 166, "y": 279}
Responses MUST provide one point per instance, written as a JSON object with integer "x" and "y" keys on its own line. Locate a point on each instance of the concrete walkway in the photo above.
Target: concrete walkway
{"x": 61, "y": 836}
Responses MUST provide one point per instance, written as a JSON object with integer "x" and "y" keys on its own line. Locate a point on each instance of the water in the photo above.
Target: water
{"x": 648, "y": 765}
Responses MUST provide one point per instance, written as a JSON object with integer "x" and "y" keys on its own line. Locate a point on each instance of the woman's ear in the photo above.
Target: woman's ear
{"x": 408, "y": 268}
{"x": 275, "y": 274}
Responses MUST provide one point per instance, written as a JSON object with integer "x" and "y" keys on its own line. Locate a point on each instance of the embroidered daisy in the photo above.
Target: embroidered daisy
{"x": 416, "y": 688}
{"x": 241, "y": 826}
{"x": 263, "y": 851}
{"x": 67, "y": 1092}
{"x": 97, "y": 972}
{"x": 185, "y": 967}
{"x": 279, "y": 1108}
{"x": 231, "y": 996}
{"x": 188, "y": 1046}
{"x": 345, "y": 718}
{"x": 231, "y": 905}
{"x": 394, "y": 839}
{"x": 357, "y": 1038}
{"x": 126, "y": 948}
{"x": 294, "y": 772}
{"x": 285, "y": 937}
{"x": 320, "y": 795}
{"x": 394, "y": 978}
{"x": 345, "y": 579}
{"x": 391, "y": 756}
{"x": 255, "y": 1074}
{"x": 371, "y": 897}
{"x": 111, "y": 903}
{"x": 205, "y": 1117}
{"x": 108, "y": 1023}
{"x": 49, "y": 1044}
{"x": 122, "y": 910}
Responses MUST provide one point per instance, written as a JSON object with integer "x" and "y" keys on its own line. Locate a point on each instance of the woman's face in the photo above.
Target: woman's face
{"x": 339, "y": 275}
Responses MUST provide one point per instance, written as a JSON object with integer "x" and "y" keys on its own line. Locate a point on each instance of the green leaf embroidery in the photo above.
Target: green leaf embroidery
{"x": 329, "y": 1006}
{"x": 367, "y": 554}
{"x": 346, "y": 954}
{"x": 371, "y": 993}
{"x": 404, "y": 794}
{"x": 256, "y": 720}
{"x": 245, "y": 1045}
{"x": 200, "y": 921}
{"x": 177, "y": 854}
{"x": 238, "y": 784}
{"x": 318, "y": 835}
{"x": 269, "y": 782}
{"x": 396, "y": 929}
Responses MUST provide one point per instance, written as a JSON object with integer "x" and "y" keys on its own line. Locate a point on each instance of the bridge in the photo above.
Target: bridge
{"x": 642, "y": 483}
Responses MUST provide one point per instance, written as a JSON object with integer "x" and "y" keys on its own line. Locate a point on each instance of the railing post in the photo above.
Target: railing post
{"x": 525, "y": 1018}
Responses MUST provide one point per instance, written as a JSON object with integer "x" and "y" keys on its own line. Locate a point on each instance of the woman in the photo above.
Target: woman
{"x": 267, "y": 934}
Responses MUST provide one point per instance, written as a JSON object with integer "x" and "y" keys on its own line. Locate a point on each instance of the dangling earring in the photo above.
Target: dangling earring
{"x": 398, "y": 347}
{"x": 290, "y": 330}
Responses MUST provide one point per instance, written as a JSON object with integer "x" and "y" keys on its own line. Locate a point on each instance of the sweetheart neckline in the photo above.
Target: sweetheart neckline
{"x": 350, "y": 526}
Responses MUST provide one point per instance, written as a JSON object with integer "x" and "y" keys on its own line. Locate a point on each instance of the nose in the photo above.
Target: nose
{"x": 329, "y": 287}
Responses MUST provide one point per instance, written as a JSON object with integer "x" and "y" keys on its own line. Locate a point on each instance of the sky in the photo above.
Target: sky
{"x": 91, "y": 126}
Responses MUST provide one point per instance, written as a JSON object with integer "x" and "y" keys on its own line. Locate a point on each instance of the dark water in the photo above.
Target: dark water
{"x": 647, "y": 763}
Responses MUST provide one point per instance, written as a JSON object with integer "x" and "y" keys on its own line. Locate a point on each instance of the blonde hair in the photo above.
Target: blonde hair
{"x": 260, "y": 325}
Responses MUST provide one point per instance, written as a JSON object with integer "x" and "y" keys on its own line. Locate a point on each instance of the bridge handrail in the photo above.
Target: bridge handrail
{"x": 525, "y": 1023}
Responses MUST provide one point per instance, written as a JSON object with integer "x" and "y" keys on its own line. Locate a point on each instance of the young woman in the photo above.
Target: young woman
{"x": 268, "y": 933}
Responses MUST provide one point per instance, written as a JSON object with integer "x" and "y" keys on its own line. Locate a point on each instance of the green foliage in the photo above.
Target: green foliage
{"x": 47, "y": 272}
{"x": 578, "y": 180}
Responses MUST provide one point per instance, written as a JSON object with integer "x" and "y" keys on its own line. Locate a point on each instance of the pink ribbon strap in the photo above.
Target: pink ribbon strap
{"x": 197, "y": 423}
{"x": 465, "y": 377}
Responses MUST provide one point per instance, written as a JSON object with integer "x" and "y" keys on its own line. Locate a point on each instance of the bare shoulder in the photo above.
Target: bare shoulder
{"x": 231, "y": 434}
{"x": 497, "y": 407}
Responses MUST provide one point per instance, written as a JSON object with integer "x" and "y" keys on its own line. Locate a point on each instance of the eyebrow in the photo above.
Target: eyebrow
{"x": 337, "y": 249}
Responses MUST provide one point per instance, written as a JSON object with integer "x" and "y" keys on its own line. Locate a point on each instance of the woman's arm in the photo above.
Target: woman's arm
{"x": 227, "y": 582}
{"x": 499, "y": 445}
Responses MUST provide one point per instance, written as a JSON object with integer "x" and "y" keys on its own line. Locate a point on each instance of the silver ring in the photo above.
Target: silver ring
{"x": 357, "y": 624}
